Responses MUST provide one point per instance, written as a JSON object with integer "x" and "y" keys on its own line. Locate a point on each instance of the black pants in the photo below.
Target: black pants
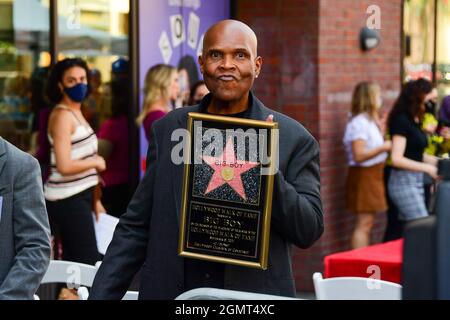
{"x": 71, "y": 220}
{"x": 115, "y": 199}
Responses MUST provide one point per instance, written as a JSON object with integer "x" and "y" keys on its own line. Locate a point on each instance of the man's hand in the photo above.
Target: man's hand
{"x": 270, "y": 118}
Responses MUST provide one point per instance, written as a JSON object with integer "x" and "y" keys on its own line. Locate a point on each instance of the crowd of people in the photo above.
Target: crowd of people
{"x": 393, "y": 158}
{"x": 83, "y": 148}
{"x": 82, "y": 134}
{"x": 81, "y": 141}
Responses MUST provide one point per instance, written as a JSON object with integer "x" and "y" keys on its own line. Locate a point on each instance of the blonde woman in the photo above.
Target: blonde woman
{"x": 160, "y": 88}
{"x": 366, "y": 152}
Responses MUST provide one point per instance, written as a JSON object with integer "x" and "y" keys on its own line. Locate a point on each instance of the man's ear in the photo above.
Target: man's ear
{"x": 200, "y": 62}
{"x": 258, "y": 65}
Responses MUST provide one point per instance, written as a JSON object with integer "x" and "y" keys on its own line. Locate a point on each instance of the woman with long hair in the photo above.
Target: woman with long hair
{"x": 409, "y": 161}
{"x": 74, "y": 162}
{"x": 366, "y": 153}
{"x": 160, "y": 89}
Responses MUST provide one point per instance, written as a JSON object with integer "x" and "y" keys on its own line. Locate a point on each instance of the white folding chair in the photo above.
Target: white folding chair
{"x": 131, "y": 295}
{"x": 355, "y": 288}
{"x": 74, "y": 274}
{"x": 222, "y": 294}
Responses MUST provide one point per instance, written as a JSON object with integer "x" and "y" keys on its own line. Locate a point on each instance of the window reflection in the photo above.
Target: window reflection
{"x": 419, "y": 38}
{"x": 443, "y": 48}
{"x": 419, "y": 42}
{"x": 24, "y": 48}
{"x": 96, "y": 31}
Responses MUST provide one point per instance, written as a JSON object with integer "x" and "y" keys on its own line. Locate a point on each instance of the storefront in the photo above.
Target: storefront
{"x": 426, "y": 29}
{"x": 115, "y": 37}
{"x": 312, "y": 61}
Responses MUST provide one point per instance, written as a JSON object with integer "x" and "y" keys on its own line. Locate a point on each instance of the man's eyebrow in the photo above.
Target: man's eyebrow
{"x": 223, "y": 49}
{"x": 214, "y": 49}
{"x": 242, "y": 49}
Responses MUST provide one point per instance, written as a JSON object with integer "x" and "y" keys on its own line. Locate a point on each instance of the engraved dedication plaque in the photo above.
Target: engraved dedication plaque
{"x": 227, "y": 190}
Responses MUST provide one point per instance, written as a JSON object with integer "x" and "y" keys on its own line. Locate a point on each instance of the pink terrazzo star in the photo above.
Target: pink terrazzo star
{"x": 227, "y": 169}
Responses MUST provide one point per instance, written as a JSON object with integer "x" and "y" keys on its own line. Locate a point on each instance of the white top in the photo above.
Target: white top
{"x": 84, "y": 146}
{"x": 362, "y": 127}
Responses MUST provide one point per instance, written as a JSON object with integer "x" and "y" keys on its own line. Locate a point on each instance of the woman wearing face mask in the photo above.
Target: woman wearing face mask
{"x": 160, "y": 89}
{"x": 366, "y": 153}
{"x": 74, "y": 162}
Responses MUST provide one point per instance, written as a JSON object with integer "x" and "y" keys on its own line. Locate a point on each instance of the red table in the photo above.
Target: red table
{"x": 355, "y": 263}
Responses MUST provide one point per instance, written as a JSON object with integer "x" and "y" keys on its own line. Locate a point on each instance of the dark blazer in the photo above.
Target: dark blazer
{"x": 147, "y": 234}
{"x": 24, "y": 228}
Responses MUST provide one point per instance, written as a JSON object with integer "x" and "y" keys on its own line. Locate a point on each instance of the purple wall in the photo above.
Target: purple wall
{"x": 155, "y": 21}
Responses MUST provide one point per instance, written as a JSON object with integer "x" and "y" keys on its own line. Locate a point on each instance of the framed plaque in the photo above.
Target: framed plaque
{"x": 227, "y": 190}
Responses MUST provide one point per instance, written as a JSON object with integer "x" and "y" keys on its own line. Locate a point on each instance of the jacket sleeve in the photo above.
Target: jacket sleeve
{"x": 297, "y": 207}
{"x": 31, "y": 234}
{"x": 127, "y": 250}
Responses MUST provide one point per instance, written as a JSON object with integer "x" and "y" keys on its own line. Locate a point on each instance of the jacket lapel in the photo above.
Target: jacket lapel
{"x": 257, "y": 111}
{"x": 178, "y": 171}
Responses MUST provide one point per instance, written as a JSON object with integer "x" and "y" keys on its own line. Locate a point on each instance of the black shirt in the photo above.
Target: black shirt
{"x": 242, "y": 114}
{"x": 198, "y": 273}
{"x": 416, "y": 139}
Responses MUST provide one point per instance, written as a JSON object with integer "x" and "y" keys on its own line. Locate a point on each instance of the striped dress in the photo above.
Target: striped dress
{"x": 84, "y": 146}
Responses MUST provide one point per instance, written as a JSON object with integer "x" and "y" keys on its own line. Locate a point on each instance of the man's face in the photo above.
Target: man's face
{"x": 229, "y": 64}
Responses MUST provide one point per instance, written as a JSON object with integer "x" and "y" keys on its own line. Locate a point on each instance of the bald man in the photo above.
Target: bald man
{"x": 147, "y": 234}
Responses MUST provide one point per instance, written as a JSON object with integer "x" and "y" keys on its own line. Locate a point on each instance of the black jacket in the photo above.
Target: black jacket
{"x": 147, "y": 234}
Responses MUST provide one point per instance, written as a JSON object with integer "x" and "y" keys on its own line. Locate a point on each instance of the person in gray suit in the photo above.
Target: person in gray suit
{"x": 146, "y": 237}
{"x": 24, "y": 227}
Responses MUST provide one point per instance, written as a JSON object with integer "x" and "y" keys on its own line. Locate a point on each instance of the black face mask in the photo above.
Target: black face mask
{"x": 430, "y": 106}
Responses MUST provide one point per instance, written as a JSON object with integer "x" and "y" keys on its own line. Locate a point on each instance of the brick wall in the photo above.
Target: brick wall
{"x": 287, "y": 32}
{"x": 342, "y": 65}
{"x": 311, "y": 63}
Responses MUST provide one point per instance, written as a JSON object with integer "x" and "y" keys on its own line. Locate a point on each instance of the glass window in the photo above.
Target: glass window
{"x": 24, "y": 56}
{"x": 443, "y": 48}
{"x": 97, "y": 31}
{"x": 418, "y": 26}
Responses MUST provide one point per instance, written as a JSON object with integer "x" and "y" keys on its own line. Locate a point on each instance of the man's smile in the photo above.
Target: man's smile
{"x": 227, "y": 78}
